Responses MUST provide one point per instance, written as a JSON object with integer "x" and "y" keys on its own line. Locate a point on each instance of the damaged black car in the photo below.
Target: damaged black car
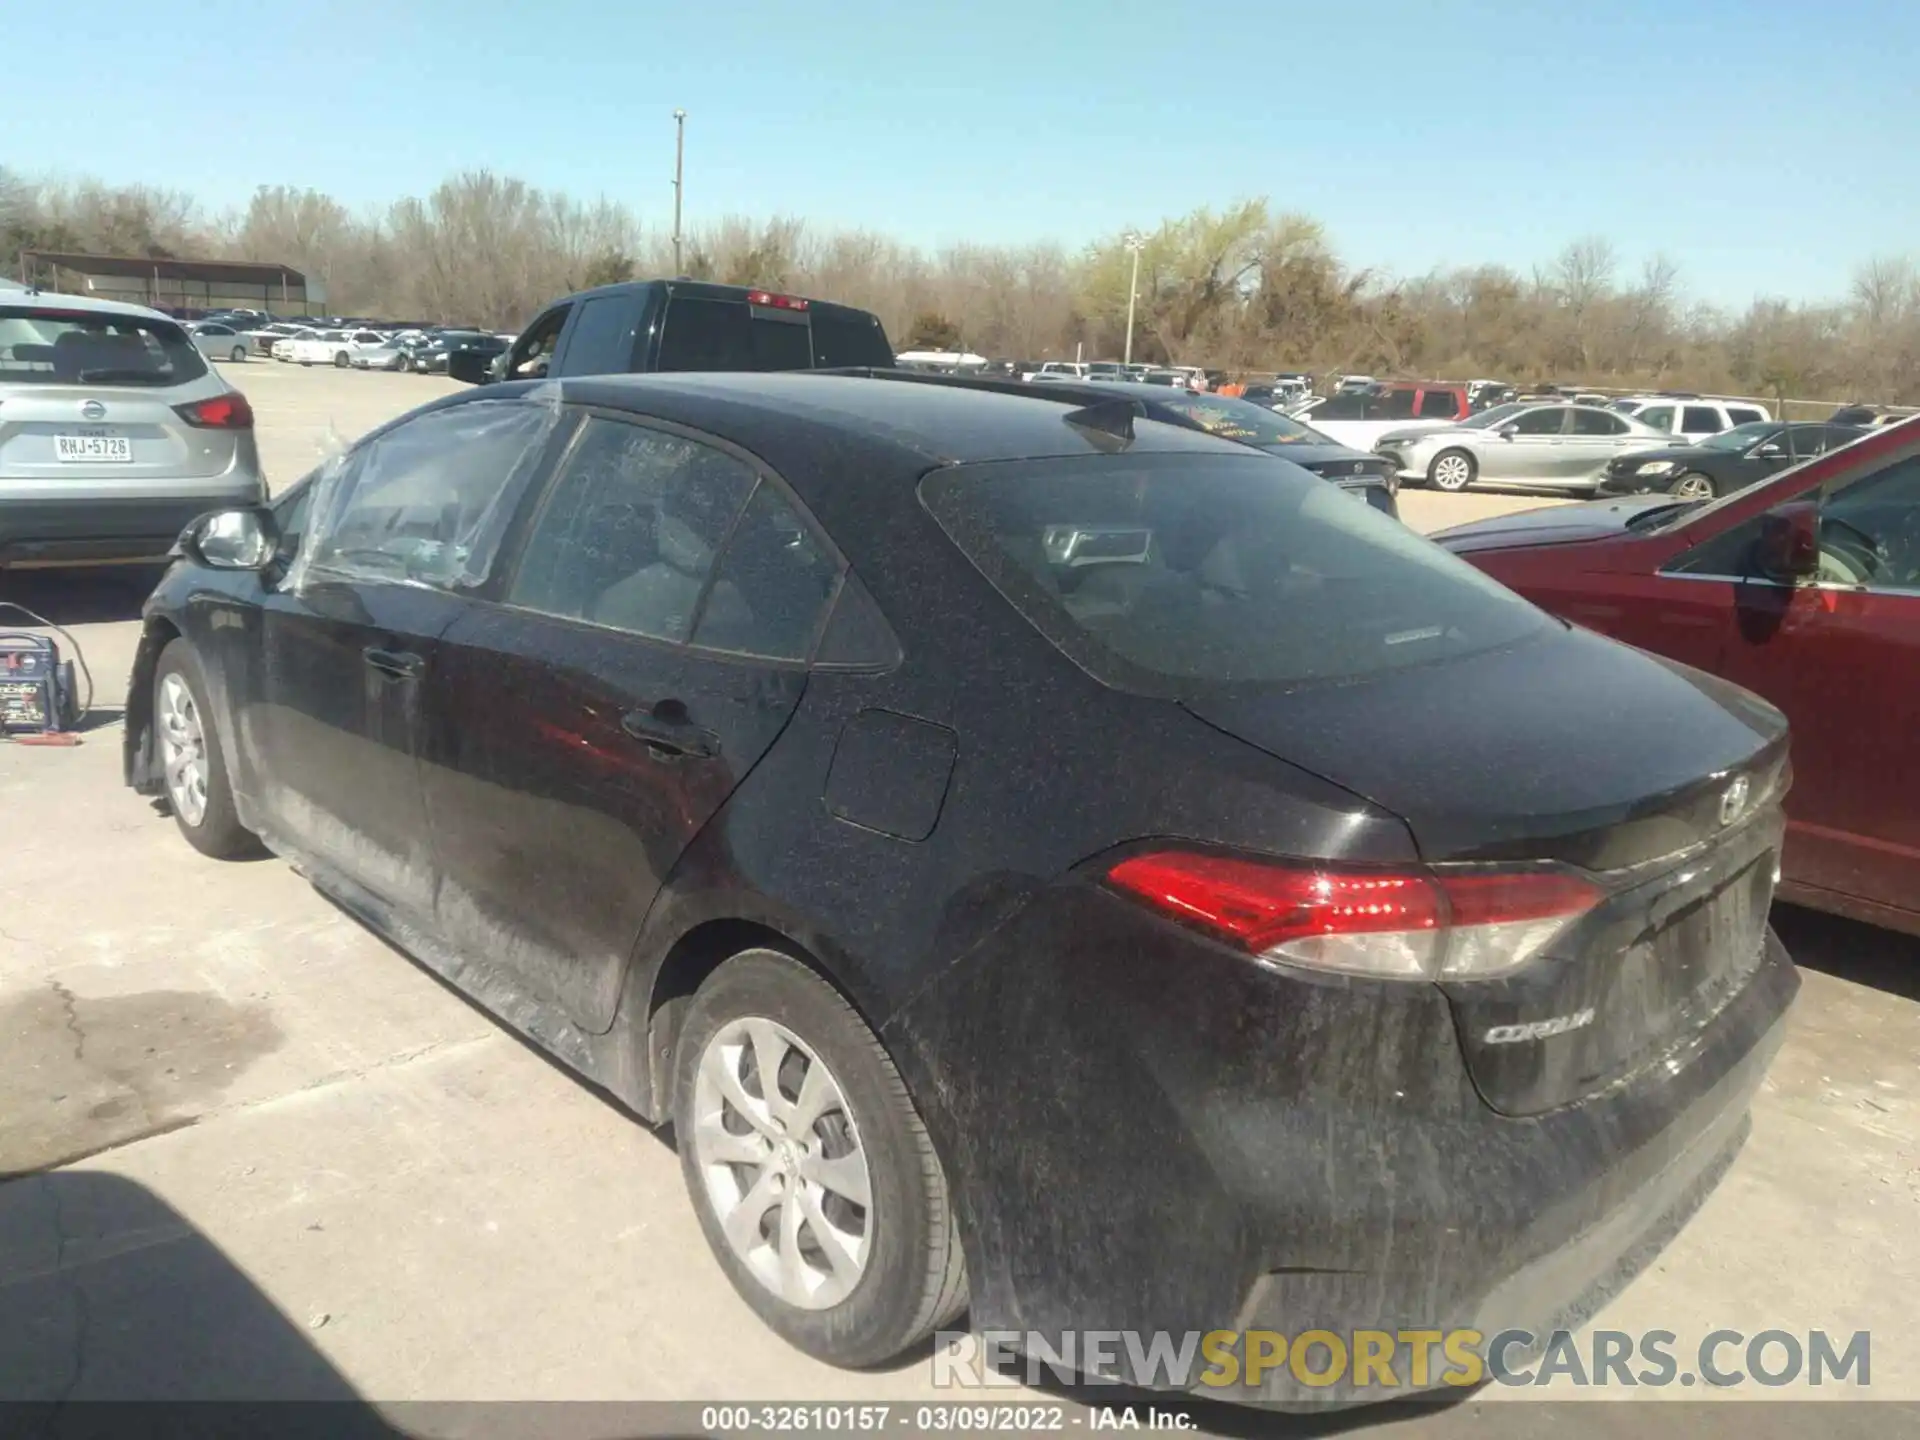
{"x": 1043, "y": 863}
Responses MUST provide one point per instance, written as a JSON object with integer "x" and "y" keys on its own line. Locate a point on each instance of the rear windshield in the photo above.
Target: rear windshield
{"x": 1232, "y": 418}
{"x": 701, "y": 333}
{"x": 1168, "y": 573}
{"x": 55, "y": 347}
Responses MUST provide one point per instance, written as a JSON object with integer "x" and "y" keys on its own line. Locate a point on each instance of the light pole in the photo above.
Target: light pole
{"x": 679, "y": 170}
{"x": 1136, "y": 244}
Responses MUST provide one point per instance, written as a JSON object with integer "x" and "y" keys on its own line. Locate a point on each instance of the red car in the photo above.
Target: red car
{"x": 1806, "y": 590}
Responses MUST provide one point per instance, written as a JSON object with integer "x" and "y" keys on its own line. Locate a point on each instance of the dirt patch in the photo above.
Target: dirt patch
{"x": 83, "y": 1075}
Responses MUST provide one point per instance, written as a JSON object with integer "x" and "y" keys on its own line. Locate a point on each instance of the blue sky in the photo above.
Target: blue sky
{"x": 1766, "y": 146}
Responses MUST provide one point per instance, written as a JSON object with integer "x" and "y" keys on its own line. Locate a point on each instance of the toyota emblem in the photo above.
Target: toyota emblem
{"x": 93, "y": 410}
{"x": 1734, "y": 801}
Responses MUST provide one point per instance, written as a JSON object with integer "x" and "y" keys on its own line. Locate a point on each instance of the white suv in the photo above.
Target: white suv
{"x": 1691, "y": 417}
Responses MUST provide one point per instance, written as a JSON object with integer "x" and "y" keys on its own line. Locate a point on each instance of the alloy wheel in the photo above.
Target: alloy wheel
{"x": 1693, "y": 487}
{"x": 1452, "y": 472}
{"x": 183, "y": 750}
{"x": 782, "y": 1162}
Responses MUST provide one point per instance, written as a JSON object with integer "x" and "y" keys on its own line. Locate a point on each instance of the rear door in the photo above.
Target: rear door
{"x": 1593, "y": 438}
{"x": 648, "y": 648}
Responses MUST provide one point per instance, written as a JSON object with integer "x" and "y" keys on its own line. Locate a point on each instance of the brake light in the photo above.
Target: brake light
{"x": 1410, "y": 925}
{"x": 777, "y": 302}
{"x": 222, "y": 412}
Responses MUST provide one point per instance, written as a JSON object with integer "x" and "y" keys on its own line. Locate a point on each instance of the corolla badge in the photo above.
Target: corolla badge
{"x": 93, "y": 410}
{"x": 1733, "y": 802}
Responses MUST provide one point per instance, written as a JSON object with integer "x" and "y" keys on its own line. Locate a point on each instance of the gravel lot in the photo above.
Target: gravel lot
{"x": 306, "y": 1168}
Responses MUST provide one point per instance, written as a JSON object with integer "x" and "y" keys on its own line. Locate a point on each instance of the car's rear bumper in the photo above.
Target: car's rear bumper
{"x": 47, "y": 532}
{"x": 1148, "y": 1133}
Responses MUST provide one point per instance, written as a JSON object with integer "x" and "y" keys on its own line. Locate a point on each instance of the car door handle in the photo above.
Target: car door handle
{"x": 400, "y": 664}
{"x": 670, "y": 735}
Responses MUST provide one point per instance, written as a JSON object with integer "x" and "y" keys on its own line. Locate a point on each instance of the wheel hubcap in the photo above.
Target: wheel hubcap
{"x": 1693, "y": 488}
{"x": 782, "y": 1163}
{"x": 1450, "y": 473}
{"x": 183, "y": 750}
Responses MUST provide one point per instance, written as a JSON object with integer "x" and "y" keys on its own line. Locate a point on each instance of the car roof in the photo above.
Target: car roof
{"x": 54, "y": 300}
{"x": 924, "y": 425}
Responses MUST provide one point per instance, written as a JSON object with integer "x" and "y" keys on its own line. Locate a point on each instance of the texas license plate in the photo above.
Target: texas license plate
{"x": 92, "y": 449}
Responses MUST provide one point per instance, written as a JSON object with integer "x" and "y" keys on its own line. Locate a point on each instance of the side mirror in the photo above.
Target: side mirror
{"x": 1772, "y": 450}
{"x": 233, "y": 540}
{"x": 1507, "y": 432}
{"x": 1788, "y": 548}
{"x": 469, "y": 367}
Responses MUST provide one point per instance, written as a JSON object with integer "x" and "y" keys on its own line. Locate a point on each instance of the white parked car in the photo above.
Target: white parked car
{"x": 282, "y": 348}
{"x": 1691, "y": 417}
{"x": 1059, "y": 370}
{"x": 334, "y": 347}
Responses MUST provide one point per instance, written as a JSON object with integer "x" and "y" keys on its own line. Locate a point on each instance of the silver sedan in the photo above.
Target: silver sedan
{"x": 1553, "y": 446}
{"x": 219, "y": 341}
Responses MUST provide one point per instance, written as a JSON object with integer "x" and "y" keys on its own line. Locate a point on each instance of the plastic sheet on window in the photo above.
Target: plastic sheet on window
{"x": 427, "y": 532}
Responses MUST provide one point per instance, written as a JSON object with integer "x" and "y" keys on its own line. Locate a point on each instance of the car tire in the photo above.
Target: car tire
{"x": 748, "y": 1174}
{"x": 305, "y": 363}
{"x": 341, "y": 360}
{"x": 193, "y": 766}
{"x": 238, "y": 354}
{"x": 1452, "y": 471}
{"x": 1693, "y": 486}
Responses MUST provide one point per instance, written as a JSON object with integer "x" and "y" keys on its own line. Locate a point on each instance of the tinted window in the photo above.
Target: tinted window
{"x": 1394, "y": 405}
{"x": 1232, "y": 418}
{"x": 77, "y": 347}
{"x": 848, "y": 337}
{"x": 1868, "y": 530}
{"x": 629, "y": 530}
{"x": 703, "y": 334}
{"x": 533, "y": 351}
{"x": 216, "y": 330}
{"x": 1439, "y": 405}
{"x": 1548, "y": 421}
{"x": 1834, "y": 436}
{"x": 771, "y": 589}
{"x": 1168, "y": 573}
{"x": 603, "y": 336}
{"x": 1699, "y": 420}
{"x": 1743, "y": 414}
{"x": 1658, "y": 416}
{"x": 427, "y": 501}
{"x": 1597, "y": 422}
{"x": 1350, "y": 406}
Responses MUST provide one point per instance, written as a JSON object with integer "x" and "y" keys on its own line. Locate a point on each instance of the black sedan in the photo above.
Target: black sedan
{"x": 1731, "y": 460}
{"x": 1042, "y": 861}
{"x": 1369, "y": 477}
{"x": 431, "y": 358}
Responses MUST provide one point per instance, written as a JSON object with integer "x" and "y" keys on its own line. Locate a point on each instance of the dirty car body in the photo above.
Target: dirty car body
{"x": 1074, "y": 758}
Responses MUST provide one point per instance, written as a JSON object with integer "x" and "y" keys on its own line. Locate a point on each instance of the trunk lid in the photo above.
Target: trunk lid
{"x": 66, "y": 432}
{"x": 1659, "y": 782}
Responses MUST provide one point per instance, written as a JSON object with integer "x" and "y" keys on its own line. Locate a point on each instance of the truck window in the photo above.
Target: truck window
{"x": 704, "y": 334}
{"x": 848, "y": 337}
{"x": 603, "y": 336}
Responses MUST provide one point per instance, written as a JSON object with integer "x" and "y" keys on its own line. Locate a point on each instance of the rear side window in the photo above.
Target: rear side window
{"x": 1439, "y": 405}
{"x": 1350, "y": 406}
{"x": 1699, "y": 420}
{"x": 79, "y": 347}
{"x": 1169, "y": 573}
{"x": 772, "y": 587}
{"x": 1597, "y": 422}
{"x": 1743, "y": 414}
{"x": 1394, "y": 405}
{"x": 629, "y": 532}
{"x": 705, "y": 334}
{"x": 1658, "y": 416}
{"x": 603, "y": 336}
{"x": 848, "y": 337}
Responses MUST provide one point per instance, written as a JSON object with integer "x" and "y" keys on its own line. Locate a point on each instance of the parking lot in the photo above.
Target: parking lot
{"x": 270, "y": 1156}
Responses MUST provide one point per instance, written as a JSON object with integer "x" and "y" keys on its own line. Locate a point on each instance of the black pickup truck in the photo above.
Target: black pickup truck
{"x": 647, "y": 325}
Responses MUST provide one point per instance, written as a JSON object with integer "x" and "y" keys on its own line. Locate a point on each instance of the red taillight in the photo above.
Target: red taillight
{"x": 222, "y": 412}
{"x": 1412, "y": 924}
{"x": 777, "y": 302}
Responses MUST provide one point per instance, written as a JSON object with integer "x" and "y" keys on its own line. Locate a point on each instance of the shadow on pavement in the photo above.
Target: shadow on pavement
{"x": 80, "y": 596}
{"x": 1849, "y": 950}
{"x": 118, "y": 1317}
